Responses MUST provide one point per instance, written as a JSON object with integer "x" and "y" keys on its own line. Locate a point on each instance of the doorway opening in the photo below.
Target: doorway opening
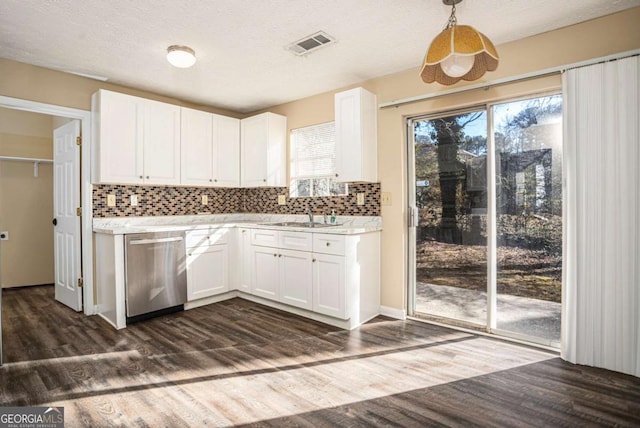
{"x": 76, "y": 178}
{"x": 486, "y": 194}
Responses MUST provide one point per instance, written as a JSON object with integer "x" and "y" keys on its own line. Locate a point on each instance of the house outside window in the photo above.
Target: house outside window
{"x": 313, "y": 162}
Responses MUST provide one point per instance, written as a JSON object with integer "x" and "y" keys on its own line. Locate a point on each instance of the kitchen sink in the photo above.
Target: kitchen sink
{"x": 300, "y": 224}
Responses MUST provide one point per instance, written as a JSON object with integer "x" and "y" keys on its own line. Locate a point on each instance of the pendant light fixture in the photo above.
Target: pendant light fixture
{"x": 181, "y": 56}
{"x": 459, "y": 52}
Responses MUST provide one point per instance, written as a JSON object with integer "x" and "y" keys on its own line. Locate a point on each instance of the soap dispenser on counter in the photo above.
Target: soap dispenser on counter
{"x": 333, "y": 216}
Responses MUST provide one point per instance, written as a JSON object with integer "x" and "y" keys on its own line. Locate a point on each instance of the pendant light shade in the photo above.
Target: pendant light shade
{"x": 181, "y": 56}
{"x": 459, "y": 52}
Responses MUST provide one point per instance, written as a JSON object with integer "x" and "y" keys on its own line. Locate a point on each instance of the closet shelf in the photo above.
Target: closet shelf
{"x": 35, "y": 161}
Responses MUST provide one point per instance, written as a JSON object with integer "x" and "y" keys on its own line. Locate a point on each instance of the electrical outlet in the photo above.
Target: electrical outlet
{"x": 111, "y": 200}
{"x": 4, "y": 235}
{"x": 360, "y": 198}
{"x": 385, "y": 198}
{"x": 205, "y": 200}
{"x": 282, "y": 200}
{"x": 134, "y": 200}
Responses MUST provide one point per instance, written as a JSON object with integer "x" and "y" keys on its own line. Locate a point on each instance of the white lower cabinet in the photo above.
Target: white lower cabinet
{"x": 295, "y": 278}
{"x": 266, "y": 272}
{"x": 329, "y": 285}
{"x": 242, "y": 268}
{"x": 282, "y": 270}
{"x": 332, "y": 278}
{"x": 328, "y": 277}
{"x": 207, "y": 263}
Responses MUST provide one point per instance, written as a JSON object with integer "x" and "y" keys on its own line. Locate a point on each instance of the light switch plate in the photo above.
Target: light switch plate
{"x": 360, "y": 198}
{"x": 385, "y": 198}
{"x": 205, "y": 200}
{"x": 134, "y": 200}
{"x": 111, "y": 200}
{"x": 282, "y": 200}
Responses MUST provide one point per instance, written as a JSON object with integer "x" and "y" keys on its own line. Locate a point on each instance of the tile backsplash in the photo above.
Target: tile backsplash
{"x": 169, "y": 200}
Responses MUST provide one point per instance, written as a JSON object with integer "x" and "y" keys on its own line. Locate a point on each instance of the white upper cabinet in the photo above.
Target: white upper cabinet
{"x": 210, "y": 149}
{"x": 196, "y": 148}
{"x": 136, "y": 140}
{"x": 356, "y": 113}
{"x": 226, "y": 151}
{"x": 117, "y": 138}
{"x": 161, "y": 153}
{"x": 263, "y": 148}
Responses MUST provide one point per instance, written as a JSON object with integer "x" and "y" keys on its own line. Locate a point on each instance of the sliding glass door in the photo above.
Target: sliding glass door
{"x": 486, "y": 235}
{"x": 528, "y": 159}
{"x": 451, "y": 200}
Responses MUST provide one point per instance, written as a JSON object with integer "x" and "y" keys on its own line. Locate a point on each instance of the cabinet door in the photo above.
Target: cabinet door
{"x": 295, "y": 278}
{"x": 161, "y": 143}
{"x": 264, "y": 150}
{"x": 254, "y": 133}
{"x": 244, "y": 265}
{"x": 329, "y": 287}
{"x": 277, "y": 151}
{"x": 207, "y": 271}
{"x": 226, "y": 155}
{"x": 266, "y": 273}
{"x": 356, "y": 135}
{"x": 196, "y": 148}
{"x": 119, "y": 142}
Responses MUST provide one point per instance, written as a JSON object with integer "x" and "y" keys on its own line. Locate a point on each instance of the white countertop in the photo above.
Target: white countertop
{"x": 345, "y": 225}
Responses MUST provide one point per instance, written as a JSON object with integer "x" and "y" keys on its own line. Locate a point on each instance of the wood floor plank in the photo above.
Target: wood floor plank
{"x": 240, "y": 363}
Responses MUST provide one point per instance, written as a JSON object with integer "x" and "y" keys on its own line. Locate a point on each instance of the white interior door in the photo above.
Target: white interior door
{"x": 66, "y": 199}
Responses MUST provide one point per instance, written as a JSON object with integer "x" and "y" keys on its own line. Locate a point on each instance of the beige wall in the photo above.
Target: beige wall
{"x": 26, "y": 202}
{"x": 605, "y": 36}
{"x": 615, "y": 33}
{"x": 32, "y": 83}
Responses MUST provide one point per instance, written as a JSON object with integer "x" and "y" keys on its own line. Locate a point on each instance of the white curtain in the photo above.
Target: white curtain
{"x": 601, "y": 295}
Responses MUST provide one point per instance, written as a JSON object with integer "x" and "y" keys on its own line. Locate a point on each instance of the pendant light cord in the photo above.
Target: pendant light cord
{"x": 452, "y": 18}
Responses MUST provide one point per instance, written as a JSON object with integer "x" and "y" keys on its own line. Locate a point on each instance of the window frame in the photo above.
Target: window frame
{"x": 329, "y": 177}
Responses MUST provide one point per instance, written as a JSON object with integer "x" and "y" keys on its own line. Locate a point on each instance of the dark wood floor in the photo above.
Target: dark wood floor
{"x": 237, "y": 362}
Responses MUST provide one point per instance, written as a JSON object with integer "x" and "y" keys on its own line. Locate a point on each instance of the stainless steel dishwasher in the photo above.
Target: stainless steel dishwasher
{"x": 156, "y": 278}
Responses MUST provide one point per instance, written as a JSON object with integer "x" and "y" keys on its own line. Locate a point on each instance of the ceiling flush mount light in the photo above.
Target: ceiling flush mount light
{"x": 181, "y": 56}
{"x": 459, "y": 52}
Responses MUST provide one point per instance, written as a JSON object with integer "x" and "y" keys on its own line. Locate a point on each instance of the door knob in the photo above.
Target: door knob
{"x": 55, "y": 222}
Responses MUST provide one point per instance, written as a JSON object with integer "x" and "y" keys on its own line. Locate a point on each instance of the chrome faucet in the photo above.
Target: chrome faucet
{"x": 310, "y": 213}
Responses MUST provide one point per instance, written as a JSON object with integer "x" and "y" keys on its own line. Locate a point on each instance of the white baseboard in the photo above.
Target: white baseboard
{"x": 399, "y": 314}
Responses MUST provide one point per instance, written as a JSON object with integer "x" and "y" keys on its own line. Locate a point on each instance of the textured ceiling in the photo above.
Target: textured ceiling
{"x": 240, "y": 44}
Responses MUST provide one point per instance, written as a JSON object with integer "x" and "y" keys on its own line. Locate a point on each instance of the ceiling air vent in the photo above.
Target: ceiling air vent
{"x": 311, "y": 43}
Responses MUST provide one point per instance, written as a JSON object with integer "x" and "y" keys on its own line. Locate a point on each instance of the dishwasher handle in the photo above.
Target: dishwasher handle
{"x": 155, "y": 240}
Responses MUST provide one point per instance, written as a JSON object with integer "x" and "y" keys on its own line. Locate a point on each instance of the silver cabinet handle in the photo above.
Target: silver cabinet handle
{"x": 141, "y": 177}
{"x": 314, "y": 260}
{"x": 328, "y": 244}
{"x": 279, "y": 255}
{"x": 275, "y": 255}
{"x": 147, "y": 177}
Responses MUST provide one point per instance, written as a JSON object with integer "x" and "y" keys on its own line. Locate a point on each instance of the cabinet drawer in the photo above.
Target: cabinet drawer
{"x": 207, "y": 237}
{"x": 296, "y": 241}
{"x": 264, "y": 237}
{"x": 328, "y": 244}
